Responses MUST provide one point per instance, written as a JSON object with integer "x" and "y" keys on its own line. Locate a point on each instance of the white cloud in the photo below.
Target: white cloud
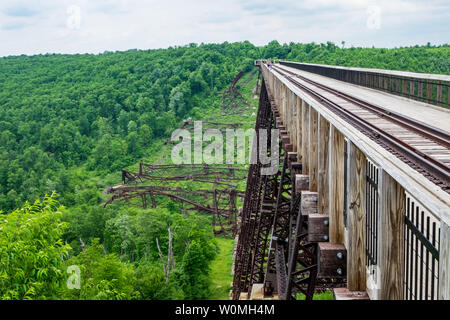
{"x": 32, "y": 27}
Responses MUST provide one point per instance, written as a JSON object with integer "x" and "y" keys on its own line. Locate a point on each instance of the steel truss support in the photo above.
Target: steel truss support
{"x": 272, "y": 246}
{"x": 302, "y": 261}
{"x": 291, "y": 257}
{"x": 256, "y": 219}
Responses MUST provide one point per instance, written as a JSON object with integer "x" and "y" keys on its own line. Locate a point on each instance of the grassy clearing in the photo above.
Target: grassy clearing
{"x": 326, "y": 295}
{"x": 221, "y": 270}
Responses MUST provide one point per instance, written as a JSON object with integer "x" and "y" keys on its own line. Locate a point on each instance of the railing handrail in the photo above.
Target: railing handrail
{"x": 402, "y": 74}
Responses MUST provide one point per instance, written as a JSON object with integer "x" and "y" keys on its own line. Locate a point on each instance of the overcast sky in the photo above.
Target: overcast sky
{"x": 79, "y": 26}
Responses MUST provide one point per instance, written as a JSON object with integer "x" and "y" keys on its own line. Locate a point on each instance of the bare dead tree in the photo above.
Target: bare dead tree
{"x": 162, "y": 260}
{"x": 83, "y": 246}
{"x": 170, "y": 264}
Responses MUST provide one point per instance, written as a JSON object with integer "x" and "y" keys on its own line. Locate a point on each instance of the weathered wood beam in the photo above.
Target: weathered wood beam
{"x": 336, "y": 186}
{"x": 301, "y": 183}
{"x": 323, "y": 166}
{"x": 299, "y": 128}
{"x": 356, "y": 263}
{"x": 308, "y": 202}
{"x": 313, "y": 150}
{"x": 391, "y": 256}
{"x": 293, "y": 107}
{"x": 305, "y": 138}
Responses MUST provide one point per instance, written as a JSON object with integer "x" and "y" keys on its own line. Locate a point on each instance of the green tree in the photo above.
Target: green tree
{"x": 31, "y": 251}
{"x": 103, "y": 276}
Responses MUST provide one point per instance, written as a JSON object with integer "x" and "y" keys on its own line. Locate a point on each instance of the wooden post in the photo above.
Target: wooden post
{"x": 444, "y": 261}
{"x": 448, "y": 96}
{"x": 392, "y": 242}
{"x": 405, "y": 92}
{"x": 305, "y": 138}
{"x": 281, "y": 98}
{"x": 308, "y": 202}
{"x": 313, "y": 151}
{"x": 439, "y": 94}
{"x": 286, "y": 108}
{"x": 299, "y": 129}
{"x": 411, "y": 88}
{"x": 272, "y": 83}
{"x": 332, "y": 260}
{"x": 285, "y": 113}
{"x": 292, "y": 111}
{"x": 277, "y": 84}
{"x": 301, "y": 183}
{"x": 356, "y": 262}
{"x": 274, "y": 89}
{"x": 429, "y": 88}
{"x": 420, "y": 90}
{"x": 336, "y": 189}
{"x": 294, "y": 108}
{"x": 323, "y": 165}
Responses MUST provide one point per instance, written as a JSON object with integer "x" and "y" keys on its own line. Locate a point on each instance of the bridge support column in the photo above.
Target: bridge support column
{"x": 305, "y": 138}
{"x": 276, "y": 92}
{"x": 283, "y": 96}
{"x": 313, "y": 150}
{"x": 356, "y": 262}
{"x": 298, "y": 127}
{"x": 323, "y": 165}
{"x": 293, "y": 120}
{"x": 391, "y": 257}
{"x": 336, "y": 186}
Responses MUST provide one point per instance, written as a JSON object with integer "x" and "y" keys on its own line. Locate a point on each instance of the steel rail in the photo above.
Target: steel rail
{"x": 437, "y": 135}
{"x": 432, "y": 166}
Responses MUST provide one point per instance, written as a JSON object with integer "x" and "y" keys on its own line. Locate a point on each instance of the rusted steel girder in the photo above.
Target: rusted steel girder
{"x": 219, "y": 201}
{"x": 223, "y": 206}
{"x": 185, "y": 172}
{"x": 189, "y": 123}
{"x": 231, "y": 93}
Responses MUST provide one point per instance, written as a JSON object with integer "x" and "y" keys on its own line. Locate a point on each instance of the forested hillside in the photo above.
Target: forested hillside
{"x": 69, "y": 123}
{"x": 60, "y": 111}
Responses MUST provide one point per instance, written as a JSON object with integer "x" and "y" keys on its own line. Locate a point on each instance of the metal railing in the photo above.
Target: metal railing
{"x": 422, "y": 232}
{"x": 372, "y": 213}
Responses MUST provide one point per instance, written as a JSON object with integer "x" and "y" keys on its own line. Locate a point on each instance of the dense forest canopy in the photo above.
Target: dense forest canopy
{"x": 68, "y": 121}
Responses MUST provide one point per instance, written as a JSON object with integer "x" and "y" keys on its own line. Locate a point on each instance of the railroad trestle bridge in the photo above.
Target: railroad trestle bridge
{"x": 361, "y": 202}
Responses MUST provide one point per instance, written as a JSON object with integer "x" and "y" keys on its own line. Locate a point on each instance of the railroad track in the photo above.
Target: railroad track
{"x": 424, "y": 148}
